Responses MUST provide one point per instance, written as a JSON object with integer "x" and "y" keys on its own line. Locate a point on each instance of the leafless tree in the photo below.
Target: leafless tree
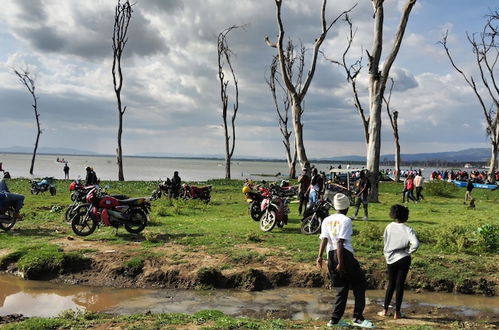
{"x": 377, "y": 84}
{"x": 486, "y": 51}
{"x": 224, "y": 58}
{"x": 352, "y": 71}
{"x": 27, "y": 79}
{"x": 294, "y": 62}
{"x": 394, "y": 122}
{"x": 298, "y": 92}
{"x": 122, "y": 15}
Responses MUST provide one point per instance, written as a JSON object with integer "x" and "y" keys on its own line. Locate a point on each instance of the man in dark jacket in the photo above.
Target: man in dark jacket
{"x": 91, "y": 178}
{"x": 176, "y": 183}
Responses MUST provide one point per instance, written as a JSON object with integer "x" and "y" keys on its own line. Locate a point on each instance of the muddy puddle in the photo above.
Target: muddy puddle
{"x": 38, "y": 298}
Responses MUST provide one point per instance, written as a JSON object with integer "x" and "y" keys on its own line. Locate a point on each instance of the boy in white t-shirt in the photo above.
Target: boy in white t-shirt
{"x": 344, "y": 269}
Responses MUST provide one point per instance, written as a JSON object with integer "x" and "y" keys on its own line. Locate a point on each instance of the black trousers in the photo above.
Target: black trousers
{"x": 353, "y": 278}
{"x": 419, "y": 195}
{"x": 397, "y": 273}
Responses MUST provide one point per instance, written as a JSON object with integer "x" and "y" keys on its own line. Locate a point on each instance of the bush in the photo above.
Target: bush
{"x": 489, "y": 235}
{"x": 441, "y": 189}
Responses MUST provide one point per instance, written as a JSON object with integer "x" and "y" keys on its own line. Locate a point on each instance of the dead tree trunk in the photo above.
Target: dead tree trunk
{"x": 377, "y": 85}
{"x": 27, "y": 79}
{"x": 283, "y": 114}
{"x": 352, "y": 71}
{"x": 122, "y": 15}
{"x": 297, "y": 93}
{"x": 224, "y": 57}
{"x": 393, "y": 116}
{"x": 486, "y": 52}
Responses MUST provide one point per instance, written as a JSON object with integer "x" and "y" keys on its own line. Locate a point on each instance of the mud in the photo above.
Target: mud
{"x": 177, "y": 269}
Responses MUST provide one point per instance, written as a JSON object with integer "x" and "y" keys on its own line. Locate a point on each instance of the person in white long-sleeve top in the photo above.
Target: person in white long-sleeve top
{"x": 400, "y": 242}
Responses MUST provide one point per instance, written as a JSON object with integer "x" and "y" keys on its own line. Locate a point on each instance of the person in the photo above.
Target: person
{"x": 344, "y": 269}
{"x": 304, "y": 183}
{"x": 418, "y": 183}
{"x": 176, "y": 183}
{"x": 91, "y": 178}
{"x": 469, "y": 188}
{"x": 7, "y": 197}
{"x": 315, "y": 187}
{"x": 363, "y": 186}
{"x": 408, "y": 192}
{"x": 400, "y": 241}
{"x": 66, "y": 171}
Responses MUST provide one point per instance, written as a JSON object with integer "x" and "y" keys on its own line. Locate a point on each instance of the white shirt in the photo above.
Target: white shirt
{"x": 335, "y": 227}
{"x": 400, "y": 241}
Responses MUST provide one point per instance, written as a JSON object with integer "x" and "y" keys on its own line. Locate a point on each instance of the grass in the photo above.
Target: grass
{"x": 457, "y": 243}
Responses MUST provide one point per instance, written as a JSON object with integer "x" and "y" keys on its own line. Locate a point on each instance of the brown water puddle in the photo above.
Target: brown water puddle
{"x": 38, "y": 298}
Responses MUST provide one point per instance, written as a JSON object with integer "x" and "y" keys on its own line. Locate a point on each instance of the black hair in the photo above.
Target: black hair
{"x": 399, "y": 212}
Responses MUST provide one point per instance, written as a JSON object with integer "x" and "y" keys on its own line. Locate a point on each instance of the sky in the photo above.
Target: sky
{"x": 171, "y": 86}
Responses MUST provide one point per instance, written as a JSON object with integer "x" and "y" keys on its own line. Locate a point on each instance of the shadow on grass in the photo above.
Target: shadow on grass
{"x": 33, "y": 232}
{"x": 155, "y": 238}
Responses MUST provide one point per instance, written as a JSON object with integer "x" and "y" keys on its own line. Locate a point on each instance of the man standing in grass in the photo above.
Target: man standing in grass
{"x": 344, "y": 269}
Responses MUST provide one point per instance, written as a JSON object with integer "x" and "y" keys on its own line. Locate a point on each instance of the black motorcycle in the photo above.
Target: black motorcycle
{"x": 7, "y": 219}
{"x": 43, "y": 185}
{"x": 163, "y": 189}
{"x": 314, "y": 215}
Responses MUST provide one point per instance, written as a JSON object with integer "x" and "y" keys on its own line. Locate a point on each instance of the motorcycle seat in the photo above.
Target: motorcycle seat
{"x": 133, "y": 201}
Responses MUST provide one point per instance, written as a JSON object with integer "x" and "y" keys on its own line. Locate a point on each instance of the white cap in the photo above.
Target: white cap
{"x": 341, "y": 202}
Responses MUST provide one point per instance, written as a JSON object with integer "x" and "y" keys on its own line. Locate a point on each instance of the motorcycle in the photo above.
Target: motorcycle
{"x": 163, "y": 188}
{"x": 194, "y": 192}
{"x": 104, "y": 209}
{"x": 255, "y": 198}
{"x": 275, "y": 210}
{"x": 45, "y": 184}
{"x": 78, "y": 195}
{"x": 314, "y": 215}
{"x": 7, "y": 219}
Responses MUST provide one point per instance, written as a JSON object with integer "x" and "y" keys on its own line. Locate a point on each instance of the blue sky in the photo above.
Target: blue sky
{"x": 171, "y": 87}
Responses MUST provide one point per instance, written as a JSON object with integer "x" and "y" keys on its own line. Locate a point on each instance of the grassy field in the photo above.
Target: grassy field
{"x": 459, "y": 246}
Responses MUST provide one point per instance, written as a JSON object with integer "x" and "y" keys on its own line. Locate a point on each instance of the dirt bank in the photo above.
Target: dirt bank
{"x": 170, "y": 266}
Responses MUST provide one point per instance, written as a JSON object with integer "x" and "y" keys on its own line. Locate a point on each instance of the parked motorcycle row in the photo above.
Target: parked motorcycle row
{"x": 270, "y": 206}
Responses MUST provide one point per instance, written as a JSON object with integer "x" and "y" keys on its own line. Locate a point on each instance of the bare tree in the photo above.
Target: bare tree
{"x": 224, "y": 58}
{"x": 298, "y": 92}
{"x": 26, "y": 78}
{"x": 486, "y": 51}
{"x": 122, "y": 15}
{"x": 394, "y": 122}
{"x": 377, "y": 85}
{"x": 352, "y": 71}
{"x": 283, "y": 114}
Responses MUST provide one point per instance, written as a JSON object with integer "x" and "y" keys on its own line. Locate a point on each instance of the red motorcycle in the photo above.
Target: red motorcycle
{"x": 202, "y": 193}
{"x": 255, "y": 198}
{"x": 274, "y": 210}
{"x": 104, "y": 209}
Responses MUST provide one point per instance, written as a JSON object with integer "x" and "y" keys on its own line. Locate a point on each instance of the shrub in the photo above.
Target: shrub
{"x": 441, "y": 189}
{"x": 489, "y": 235}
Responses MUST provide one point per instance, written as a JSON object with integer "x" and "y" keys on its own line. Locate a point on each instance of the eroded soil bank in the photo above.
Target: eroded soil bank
{"x": 171, "y": 266}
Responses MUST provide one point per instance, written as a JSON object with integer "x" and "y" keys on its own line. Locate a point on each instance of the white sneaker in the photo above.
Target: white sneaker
{"x": 354, "y": 217}
{"x": 365, "y": 218}
{"x": 340, "y": 323}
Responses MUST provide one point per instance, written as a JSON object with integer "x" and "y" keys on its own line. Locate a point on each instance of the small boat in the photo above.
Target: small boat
{"x": 476, "y": 185}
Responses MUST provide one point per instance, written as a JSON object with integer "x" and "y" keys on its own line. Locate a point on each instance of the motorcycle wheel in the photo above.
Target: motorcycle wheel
{"x": 52, "y": 191}
{"x": 268, "y": 220}
{"x": 138, "y": 221}
{"x": 255, "y": 212}
{"x": 83, "y": 224}
{"x": 73, "y": 210}
{"x": 8, "y": 226}
{"x": 311, "y": 225}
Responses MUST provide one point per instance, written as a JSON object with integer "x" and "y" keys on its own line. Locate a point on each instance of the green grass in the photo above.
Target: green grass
{"x": 457, "y": 242}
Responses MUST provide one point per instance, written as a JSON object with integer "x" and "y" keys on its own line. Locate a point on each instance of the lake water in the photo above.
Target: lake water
{"x": 151, "y": 169}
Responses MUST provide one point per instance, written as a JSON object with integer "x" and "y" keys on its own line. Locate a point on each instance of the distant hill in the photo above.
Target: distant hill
{"x": 47, "y": 150}
{"x": 467, "y": 155}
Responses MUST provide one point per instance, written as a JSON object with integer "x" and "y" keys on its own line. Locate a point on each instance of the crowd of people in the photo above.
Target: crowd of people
{"x": 462, "y": 175}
